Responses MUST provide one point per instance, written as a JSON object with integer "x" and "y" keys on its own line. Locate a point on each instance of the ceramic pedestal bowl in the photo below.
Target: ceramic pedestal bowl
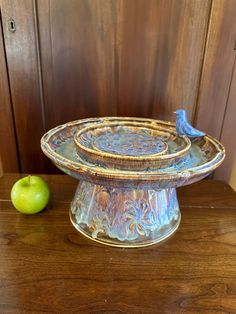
{"x": 129, "y": 169}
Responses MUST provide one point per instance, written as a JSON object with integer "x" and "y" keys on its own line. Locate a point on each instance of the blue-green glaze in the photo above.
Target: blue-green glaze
{"x": 128, "y": 217}
{"x": 129, "y": 144}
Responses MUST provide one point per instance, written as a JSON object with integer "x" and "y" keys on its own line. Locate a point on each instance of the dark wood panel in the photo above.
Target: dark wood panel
{"x": 8, "y": 146}
{"x": 227, "y": 171}
{"x": 23, "y": 66}
{"x": 161, "y": 50}
{"x": 46, "y": 266}
{"x": 78, "y": 47}
{"x": 218, "y": 67}
{"x": 100, "y": 57}
{"x": 130, "y": 58}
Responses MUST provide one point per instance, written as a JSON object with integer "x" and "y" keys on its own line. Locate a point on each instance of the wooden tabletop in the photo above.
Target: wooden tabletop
{"x": 47, "y": 266}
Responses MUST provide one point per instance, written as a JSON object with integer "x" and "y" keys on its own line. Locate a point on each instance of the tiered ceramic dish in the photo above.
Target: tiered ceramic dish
{"x": 128, "y": 169}
{"x": 131, "y": 145}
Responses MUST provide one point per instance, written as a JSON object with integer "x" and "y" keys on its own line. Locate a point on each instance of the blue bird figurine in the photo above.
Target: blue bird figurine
{"x": 183, "y": 127}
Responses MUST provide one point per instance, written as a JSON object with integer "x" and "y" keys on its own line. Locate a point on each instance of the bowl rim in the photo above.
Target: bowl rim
{"x": 153, "y": 157}
{"x": 84, "y": 170}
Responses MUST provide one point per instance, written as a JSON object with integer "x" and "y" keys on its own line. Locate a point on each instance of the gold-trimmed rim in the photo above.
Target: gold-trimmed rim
{"x": 158, "y": 156}
{"x": 82, "y": 169}
{"x": 136, "y": 245}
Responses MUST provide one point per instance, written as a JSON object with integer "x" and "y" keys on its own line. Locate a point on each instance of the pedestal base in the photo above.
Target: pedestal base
{"x": 125, "y": 217}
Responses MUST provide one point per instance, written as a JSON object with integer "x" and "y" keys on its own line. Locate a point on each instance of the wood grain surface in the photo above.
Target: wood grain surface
{"x": 218, "y": 68}
{"x": 8, "y": 154}
{"x": 227, "y": 136}
{"x": 74, "y": 59}
{"x": 47, "y": 266}
{"x": 125, "y": 58}
{"x": 25, "y": 82}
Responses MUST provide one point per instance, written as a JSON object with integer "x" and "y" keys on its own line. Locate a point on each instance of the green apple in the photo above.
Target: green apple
{"x": 30, "y": 195}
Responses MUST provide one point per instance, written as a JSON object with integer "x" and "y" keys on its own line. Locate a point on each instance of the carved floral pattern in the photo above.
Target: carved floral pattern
{"x": 139, "y": 217}
{"x": 126, "y": 215}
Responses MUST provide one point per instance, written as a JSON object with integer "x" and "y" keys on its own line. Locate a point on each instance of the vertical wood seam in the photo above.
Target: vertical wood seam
{"x": 202, "y": 65}
{"x": 227, "y": 99}
{"x": 48, "y": 97}
{"x": 10, "y": 97}
{"x": 51, "y": 46}
{"x": 118, "y": 52}
{"x": 39, "y": 64}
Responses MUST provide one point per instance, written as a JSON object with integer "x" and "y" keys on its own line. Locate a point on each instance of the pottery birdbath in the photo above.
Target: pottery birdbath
{"x": 128, "y": 171}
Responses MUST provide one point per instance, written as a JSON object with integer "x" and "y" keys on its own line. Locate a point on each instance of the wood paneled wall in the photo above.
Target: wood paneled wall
{"x": 218, "y": 67}
{"x": 22, "y": 53}
{"x": 80, "y": 58}
{"x": 228, "y": 172}
{"x": 9, "y": 161}
{"x": 115, "y": 57}
{"x": 217, "y": 97}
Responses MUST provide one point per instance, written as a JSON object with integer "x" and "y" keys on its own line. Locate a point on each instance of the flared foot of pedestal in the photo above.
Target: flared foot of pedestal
{"x": 125, "y": 217}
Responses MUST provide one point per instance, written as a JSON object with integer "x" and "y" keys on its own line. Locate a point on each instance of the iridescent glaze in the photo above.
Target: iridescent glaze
{"x": 127, "y": 216}
{"x": 129, "y": 144}
{"x": 136, "y": 205}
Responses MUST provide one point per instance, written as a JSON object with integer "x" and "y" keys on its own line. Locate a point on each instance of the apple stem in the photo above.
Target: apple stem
{"x": 29, "y": 177}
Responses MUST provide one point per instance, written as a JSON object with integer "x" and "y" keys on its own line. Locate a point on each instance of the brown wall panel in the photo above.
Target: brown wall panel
{"x": 160, "y": 56}
{"x": 8, "y": 147}
{"x": 81, "y": 58}
{"x": 218, "y": 66}
{"x": 114, "y": 57}
{"x": 23, "y": 66}
{"x": 228, "y": 137}
{"x": 78, "y": 50}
